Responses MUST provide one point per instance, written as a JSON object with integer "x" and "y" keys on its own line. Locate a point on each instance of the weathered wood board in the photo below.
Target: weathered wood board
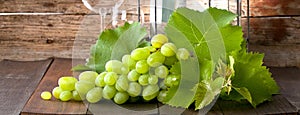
{"x": 36, "y": 105}
{"x": 18, "y": 81}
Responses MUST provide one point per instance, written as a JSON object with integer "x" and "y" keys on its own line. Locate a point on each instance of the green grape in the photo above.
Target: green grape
{"x": 76, "y": 96}
{"x": 110, "y": 78}
{"x": 153, "y": 79}
{"x": 168, "y": 49}
{"x": 182, "y": 54}
{"x": 121, "y": 97}
{"x": 67, "y": 83}
{"x": 133, "y": 75}
{"x": 65, "y": 96}
{"x": 114, "y": 66}
{"x": 134, "y": 89}
{"x": 109, "y": 92}
{"x": 84, "y": 86}
{"x": 151, "y": 48}
{"x": 99, "y": 81}
{"x": 56, "y": 92}
{"x": 124, "y": 69}
{"x": 94, "y": 95}
{"x": 140, "y": 54}
{"x": 169, "y": 61}
{"x": 158, "y": 40}
{"x": 162, "y": 96}
{"x": 128, "y": 61}
{"x": 172, "y": 80}
{"x": 88, "y": 76}
{"x": 143, "y": 79}
{"x": 142, "y": 67}
{"x": 46, "y": 95}
{"x": 161, "y": 71}
{"x": 162, "y": 85}
{"x": 150, "y": 92}
{"x": 122, "y": 83}
{"x": 155, "y": 59}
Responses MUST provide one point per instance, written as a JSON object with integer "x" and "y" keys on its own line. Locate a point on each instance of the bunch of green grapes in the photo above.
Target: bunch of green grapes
{"x": 145, "y": 72}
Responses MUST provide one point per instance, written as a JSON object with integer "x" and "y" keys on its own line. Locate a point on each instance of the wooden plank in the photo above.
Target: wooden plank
{"x": 35, "y": 105}
{"x": 273, "y": 31}
{"x": 18, "y": 81}
{"x": 279, "y": 56}
{"x": 272, "y": 7}
{"x": 288, "y": 79}
{"x": 49, "y": 6}
{"x": 65, "y": 6}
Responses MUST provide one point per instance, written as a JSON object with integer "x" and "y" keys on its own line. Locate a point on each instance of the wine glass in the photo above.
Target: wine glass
{"x": 103, "y": 7}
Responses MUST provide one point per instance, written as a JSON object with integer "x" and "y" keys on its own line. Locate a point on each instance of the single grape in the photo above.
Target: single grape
{"x": 134, "y": 89}
{"x": 153, "y": 79}
{"x": 84, "y": 86}
{"x": 94, "y": 95}
{"x": 109, "y": 92}
{"x": 46, "y": 95}
{"x": 158, "y": 40}
{"x": 143, "y": 79}
{"x": 151, "y": 48}
{"x": 162, "y": 96}
{"x": 122, "y": 83}
{"x": 150, "y": 92}
{"x": 76, "y": 96}
{"x": 142, "y": 67}
{"x": 155, "y": 59}
{"x": 168, "y": 49}
{"x": 172, "y": 80}
{"x": 56, "y": 92}
{"x": 65, "y": 96}
{"x": 88, "y": 76}
{"x": 99, "y": 81}
{"x": 121, "y": 97}
{"x": 114, "y": 66}
{"x": 169, "y": 61}
{"x": 124, "y": 69}
{"x": 161, "y": 71}
{"x": 128, "y": 61}
{"x": 140, "y": 54}
{"x": 67, "y": 83}
{"x": 110, "y": 78}
{"x": 133, "y": 75}
{"x": 182, "y": 54}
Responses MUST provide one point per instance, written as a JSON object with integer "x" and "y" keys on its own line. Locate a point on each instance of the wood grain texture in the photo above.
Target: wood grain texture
{"x": 39, "y": 6}
{"x": 289, "y": 83}
{"x": 18, "y": 81}
{"x": 35, "y": 105}
{"x": 272, "y": 7}
{"x": 273, "y": 31}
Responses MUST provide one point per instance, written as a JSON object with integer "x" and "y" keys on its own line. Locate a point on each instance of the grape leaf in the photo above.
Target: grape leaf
{"x": 211, "y": 37}
{"x": 113, "y": 43}
{"x": 250, "y": 74}
{"x": 207, "y": 91}
{"x": 209, "y": 32}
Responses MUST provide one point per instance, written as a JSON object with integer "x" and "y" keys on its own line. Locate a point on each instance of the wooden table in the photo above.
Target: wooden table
{"x": 22, "y": 82}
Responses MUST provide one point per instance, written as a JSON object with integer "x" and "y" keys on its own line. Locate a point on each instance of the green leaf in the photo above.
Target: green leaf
{"x": 114, "y": 43}
{"x": 206, "y": 92}
{"x": 245, "y": 93}
{"x": 80, "y": 67}
{"x": 209, "y": 31}
{"x": 250, "y": 74}
{"x": 182, "y": 95}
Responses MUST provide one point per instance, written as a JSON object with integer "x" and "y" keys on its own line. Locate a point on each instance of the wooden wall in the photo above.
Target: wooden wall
{"x": 69, "y": 28}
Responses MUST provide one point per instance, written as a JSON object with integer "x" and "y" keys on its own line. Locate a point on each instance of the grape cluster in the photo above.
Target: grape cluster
{"x": 145, "y": 72}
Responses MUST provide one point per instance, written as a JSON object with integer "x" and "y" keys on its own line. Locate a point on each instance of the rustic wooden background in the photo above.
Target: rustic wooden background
{"x": 69, "y": 28}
